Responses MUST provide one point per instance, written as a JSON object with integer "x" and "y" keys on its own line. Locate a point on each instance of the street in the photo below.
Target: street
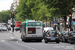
{"x": 7, "y": 44}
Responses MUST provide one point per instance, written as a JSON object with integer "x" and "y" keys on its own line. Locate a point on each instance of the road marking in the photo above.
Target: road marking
{"x": 26, "y": 46}
{"x": 64, "y": 47}
{"x": 16, "y": 41}
{"x": 2, "y": 40}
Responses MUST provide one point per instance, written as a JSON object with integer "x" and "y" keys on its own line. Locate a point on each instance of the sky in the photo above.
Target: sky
{"x": 5, "y": 4}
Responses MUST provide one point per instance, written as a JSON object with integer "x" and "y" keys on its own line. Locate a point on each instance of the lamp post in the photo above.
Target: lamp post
{"x": 70, "y": 18}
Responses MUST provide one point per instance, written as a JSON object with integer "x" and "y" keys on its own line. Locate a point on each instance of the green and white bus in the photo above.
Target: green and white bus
{"x": 32, "y": 30}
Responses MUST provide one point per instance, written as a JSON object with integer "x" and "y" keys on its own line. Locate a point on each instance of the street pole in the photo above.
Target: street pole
{"x": 13, "y": 21}
{"x": 24, "y": 18}
{"x": 70, "y": 20}
{"x": 55, "y": 25}
{"x": 13, "y": 24}
{"x": 50, "y": 21}
{"x": 46, "y": 21}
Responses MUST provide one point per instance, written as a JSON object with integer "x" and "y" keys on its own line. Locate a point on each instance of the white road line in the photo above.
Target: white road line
{"x": 26, "y": 46}
{"x": 16, "y": 41}
{"x": 2, "y": 41}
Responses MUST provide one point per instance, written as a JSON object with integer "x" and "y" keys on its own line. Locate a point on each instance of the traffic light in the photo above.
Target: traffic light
{"x": 70, "y": 15}
{"x": 12, "y": 16}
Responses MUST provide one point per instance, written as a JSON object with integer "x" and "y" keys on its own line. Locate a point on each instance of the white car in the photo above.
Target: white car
{"x": 0, "y": 28}
{"x": 4, "y": 28}
{"x": 48, "y": 28}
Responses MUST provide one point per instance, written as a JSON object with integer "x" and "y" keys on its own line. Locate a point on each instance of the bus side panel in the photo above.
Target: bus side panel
{"x": 39, "y": 31}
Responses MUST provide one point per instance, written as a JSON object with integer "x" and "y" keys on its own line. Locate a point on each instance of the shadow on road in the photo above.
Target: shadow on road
{"x": 67, "y": 43}
{"x": 52, "y": 43}
{"x": 32, "y": 41}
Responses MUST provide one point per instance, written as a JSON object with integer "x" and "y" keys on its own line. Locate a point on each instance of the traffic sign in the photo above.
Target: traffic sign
{"x": 73, "y": 23}
{"x": 55, "y": 22}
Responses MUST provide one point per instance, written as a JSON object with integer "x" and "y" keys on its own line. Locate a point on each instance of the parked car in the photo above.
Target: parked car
{"x": 0, "y": 28}
{"x": 52, "y": 36}
{"x": 65, "y": 37}
{"x": 46, "y": 29}
{"x": 62, "y": 36}
{"x": 71, "y": 38}
{"x": 3, "y": 28}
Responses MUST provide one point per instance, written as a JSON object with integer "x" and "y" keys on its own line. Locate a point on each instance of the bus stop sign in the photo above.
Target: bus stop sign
{"x": 55, "y": 22}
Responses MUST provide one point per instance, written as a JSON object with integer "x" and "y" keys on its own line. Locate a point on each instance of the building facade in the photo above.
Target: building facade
{"x": 14, "y": 5}
{"x": 73, "y": 19}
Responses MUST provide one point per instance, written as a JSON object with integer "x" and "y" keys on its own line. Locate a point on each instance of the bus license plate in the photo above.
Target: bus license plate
{"x": 52, "y": 38}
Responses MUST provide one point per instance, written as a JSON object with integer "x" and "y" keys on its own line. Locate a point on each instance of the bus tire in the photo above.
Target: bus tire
{"x": 22, "y": 38}
{"x": 46, "y": 41}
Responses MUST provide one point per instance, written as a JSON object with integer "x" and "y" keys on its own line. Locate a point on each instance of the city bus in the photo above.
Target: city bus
{"x": 32, "y": 30}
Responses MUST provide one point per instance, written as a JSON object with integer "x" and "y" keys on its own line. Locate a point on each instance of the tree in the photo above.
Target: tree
{"x": 5, "y": 15}
{"x": 39, "y": 9}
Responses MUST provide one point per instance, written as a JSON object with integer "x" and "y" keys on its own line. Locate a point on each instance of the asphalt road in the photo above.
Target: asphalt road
{"x": 6, "y": 43}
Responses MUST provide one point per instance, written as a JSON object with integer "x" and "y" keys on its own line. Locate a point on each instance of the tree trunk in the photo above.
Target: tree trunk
{"x": 65, "y": 19}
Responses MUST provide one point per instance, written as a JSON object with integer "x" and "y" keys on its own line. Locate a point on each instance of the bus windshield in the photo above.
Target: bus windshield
{"x": 34, "y": 24}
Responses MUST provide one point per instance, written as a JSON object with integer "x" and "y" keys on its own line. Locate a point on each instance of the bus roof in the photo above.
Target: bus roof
{"x": 30, "y": 21}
